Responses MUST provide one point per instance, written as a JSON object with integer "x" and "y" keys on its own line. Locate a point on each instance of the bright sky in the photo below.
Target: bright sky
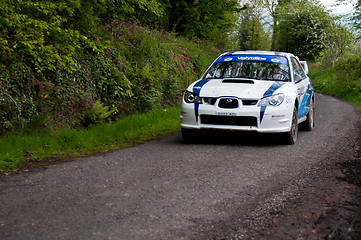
{"x": 340, "y": 9}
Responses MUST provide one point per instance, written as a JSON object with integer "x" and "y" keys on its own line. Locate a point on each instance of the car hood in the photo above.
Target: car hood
{"x": 240, "y": 88}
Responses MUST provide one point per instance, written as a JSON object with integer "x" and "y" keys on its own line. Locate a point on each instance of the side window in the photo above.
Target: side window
{"x": 297, "y": 69}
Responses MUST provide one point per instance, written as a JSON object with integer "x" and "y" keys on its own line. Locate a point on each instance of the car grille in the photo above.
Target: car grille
{"x": 228, "y": 103}
{"x": 229, "y": 120}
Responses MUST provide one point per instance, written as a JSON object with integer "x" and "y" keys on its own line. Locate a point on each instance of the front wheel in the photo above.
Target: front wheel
{"x": 291, "y": 136}
{"x": 309, "y": 124}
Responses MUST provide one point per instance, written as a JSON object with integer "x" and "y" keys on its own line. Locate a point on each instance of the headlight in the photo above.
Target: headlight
{"x": 273, "y": 100}
{"x": 190, "y": 97}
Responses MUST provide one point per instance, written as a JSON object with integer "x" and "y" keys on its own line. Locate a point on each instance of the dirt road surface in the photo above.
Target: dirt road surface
{"x": 236, "y": 186}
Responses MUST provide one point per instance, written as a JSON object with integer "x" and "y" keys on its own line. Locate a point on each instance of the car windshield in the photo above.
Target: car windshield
{"x": 275, "y": 69}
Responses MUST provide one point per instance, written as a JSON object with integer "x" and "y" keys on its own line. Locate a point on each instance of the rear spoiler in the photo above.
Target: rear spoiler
{"x": 304, "y": 66}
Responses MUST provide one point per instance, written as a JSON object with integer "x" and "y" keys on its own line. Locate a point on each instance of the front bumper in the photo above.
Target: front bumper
{"x": 244, "y": 118}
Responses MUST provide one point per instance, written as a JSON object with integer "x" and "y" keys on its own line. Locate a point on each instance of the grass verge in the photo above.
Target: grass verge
{"x": 32, "y": 149}
{"x": 342, "y": 80}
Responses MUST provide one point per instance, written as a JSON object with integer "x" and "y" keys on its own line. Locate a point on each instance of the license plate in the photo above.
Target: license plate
{"x": 226, "y": 114}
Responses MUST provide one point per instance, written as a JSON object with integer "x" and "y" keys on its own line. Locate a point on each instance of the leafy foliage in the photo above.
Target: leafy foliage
{"x": 33, "y": 29}
{"x": 272, "y": 7}
{"x": 251, "y": 34}
{"x": 338, "y": 42}
{"x": 303, "y": 26}
{"x": 356, "y": 17}
{"x": 340, "y": 80}
{"x": 206, "y": 19}
{"x": 66, "y": 62}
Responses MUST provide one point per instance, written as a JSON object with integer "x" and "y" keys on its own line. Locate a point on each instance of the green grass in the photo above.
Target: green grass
{"x": 31, "y": 149}
{"x": 342, "y": 80}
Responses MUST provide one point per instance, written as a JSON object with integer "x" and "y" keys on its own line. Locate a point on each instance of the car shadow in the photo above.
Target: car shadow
{"x": 215, "y": 137}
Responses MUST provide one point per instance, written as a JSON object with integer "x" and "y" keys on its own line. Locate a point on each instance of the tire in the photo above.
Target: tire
{"x": 309, "y": 124}
{"x": 291, "y": 136}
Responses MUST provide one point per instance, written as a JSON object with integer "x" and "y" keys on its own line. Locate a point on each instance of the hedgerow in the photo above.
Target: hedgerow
{"x": 340, "y": 80}
{"x": 55, "y": 73}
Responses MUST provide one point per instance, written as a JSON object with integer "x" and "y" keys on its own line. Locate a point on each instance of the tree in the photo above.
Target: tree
{"x": 337, "y": 41}
{"x": 251, "y": 34}
{"x": 142, "y": 10}
{"x": 356, "y": 18}
{"x": 32, "y": 30}
{"x": 303, "y": 27}
{"x": 272, "y": 7}
{"x": 201, "y": 18}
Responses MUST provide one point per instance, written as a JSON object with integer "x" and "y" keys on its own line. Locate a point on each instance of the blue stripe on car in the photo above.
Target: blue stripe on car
{"x": 306, "y": 101}
{"x": 269, "y": 92}
{"x": 196, "y": 90}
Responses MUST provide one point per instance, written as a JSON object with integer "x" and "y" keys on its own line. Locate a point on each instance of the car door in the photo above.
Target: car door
{"x": 304, "y": 88}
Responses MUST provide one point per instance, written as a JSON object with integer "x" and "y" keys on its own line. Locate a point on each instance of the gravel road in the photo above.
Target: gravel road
{"x": 227, "y": 188}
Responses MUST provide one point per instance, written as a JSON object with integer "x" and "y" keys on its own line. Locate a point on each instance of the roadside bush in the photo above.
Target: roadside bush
{"x": 341, "y": 80}
{"x": 95, "y": 115}
{"x": 130, "y": 69}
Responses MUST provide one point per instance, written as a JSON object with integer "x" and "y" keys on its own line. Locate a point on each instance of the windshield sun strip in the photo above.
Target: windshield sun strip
{"x": 254, "y": 70}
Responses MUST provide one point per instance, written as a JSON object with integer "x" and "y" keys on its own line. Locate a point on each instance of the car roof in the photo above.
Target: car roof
{"x": 253, "y": 52}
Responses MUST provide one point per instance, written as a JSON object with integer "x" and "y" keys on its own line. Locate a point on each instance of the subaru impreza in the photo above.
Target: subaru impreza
{"x": 261, "y": 91}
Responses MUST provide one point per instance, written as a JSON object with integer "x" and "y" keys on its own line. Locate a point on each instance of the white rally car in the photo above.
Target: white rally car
{"x": 267, "y": 92}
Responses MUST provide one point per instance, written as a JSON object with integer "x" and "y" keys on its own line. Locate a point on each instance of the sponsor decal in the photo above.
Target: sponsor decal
{"x": 276, "y": 117}
{"x": 247, "y": 58}
{"x": 259, "y": 58}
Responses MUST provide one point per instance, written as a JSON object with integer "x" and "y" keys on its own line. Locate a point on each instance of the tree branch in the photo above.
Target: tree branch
{"x": 19, "y": 110}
